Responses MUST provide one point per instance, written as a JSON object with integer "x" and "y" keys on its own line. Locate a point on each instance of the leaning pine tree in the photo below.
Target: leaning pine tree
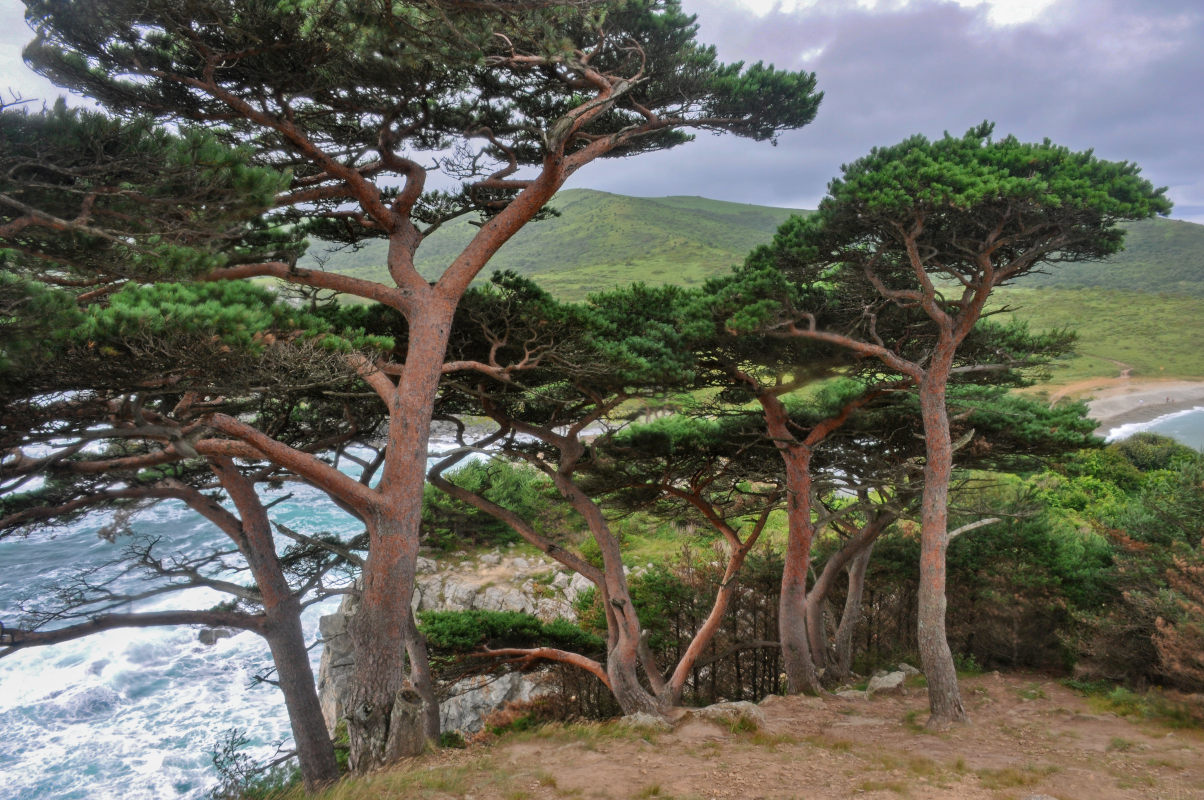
{"x": 359, "y": 101}
{"x": 930, "y": 229}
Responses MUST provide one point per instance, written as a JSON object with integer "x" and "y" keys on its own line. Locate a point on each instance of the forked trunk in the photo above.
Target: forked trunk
{"x": 818, "y": 596}
{"x": 842, "y": 661}
{"x": 801, "y": 675}
{"x": 387, "y": 718}
{"x": 944, "y": 696}
{"x": 385, "y": 710}
{"x": 424, "y": 684}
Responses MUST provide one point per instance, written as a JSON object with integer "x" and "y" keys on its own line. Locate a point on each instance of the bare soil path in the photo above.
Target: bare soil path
{"x": 1029, "y": 737}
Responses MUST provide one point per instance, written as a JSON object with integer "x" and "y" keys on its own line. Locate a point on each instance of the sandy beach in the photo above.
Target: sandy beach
{"x": 1122, "y": 400}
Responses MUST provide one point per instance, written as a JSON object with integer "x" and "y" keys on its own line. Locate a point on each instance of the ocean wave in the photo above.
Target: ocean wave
{"x": 1130, "y": 428}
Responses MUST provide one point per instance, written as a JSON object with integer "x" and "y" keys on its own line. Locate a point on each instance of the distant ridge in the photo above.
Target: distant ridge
{"x": 603, "y": 240}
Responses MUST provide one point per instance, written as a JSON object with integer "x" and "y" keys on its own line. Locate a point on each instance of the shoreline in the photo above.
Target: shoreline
{"x": 1121, "y": 401}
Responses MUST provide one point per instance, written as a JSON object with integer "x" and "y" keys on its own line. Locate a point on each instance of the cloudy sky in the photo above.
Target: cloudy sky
{"x": 1125, "y": 77}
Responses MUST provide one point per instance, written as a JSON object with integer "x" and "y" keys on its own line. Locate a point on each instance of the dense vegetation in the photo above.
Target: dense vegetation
{"x": 840, "y": 399}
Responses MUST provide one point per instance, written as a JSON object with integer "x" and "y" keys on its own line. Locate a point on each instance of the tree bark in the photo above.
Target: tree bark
{"x": 386, "y": 720}
{"x": 282, "y": 630}
{"x": 801, "y": 675}
{"x": 315, "y": 751}
{"x": 944, "y": 696}
{"x": 842, "y": 661}
{"x": 818, "y": 595}
{"x": 625, "y": 644}
{"x": 424, "y": 684}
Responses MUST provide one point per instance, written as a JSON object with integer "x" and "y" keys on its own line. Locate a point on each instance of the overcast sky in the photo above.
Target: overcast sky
{"x": 1125, "y": 77}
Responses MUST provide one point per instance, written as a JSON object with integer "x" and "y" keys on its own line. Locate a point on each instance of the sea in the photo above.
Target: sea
{"x": 135, "y": 714}
{"x": 1185, "y": 426}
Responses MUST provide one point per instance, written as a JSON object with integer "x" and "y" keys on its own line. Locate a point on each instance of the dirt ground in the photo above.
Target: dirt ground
{"x": 1029, "y": 738}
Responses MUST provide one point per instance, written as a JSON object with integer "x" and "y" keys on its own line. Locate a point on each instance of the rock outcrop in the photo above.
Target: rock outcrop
{"x": 494, "y": 581}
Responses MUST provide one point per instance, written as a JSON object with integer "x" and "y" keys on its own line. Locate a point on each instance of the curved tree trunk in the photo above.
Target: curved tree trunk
{"x": 385, "y": 714}
{"x": 834, "y": 566}
{"x": 625, "y": 636}
{"x": 842, "y": 660}
{"x": 282, "y": 628}
{"x": 315, "y": 752}
{"x": 944, "y": 696}
{"x": 801, "y": 675}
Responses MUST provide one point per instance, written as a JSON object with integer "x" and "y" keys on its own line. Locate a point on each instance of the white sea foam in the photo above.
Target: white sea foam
{"x": 1128, "y": 429}
{"x": 133, "y": 714}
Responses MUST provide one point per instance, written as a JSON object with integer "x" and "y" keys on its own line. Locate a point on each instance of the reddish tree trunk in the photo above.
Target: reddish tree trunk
{"x": 282, "y": 628}
{"x": 792, "y": 610}
{"x": 386, "y": 716}
{"x": 624, "y": 633}
{"x": 944, "y": 696}
{"x": 834, "y": 566}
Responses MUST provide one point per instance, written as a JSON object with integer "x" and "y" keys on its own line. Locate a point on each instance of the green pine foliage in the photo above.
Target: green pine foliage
{"x": 461, "y": 632}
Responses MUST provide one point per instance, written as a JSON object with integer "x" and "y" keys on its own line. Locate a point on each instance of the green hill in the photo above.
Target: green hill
{"x": 1164, "y": 256}
{"x": 603, "y": 240}
{"x": 599, "y": 241}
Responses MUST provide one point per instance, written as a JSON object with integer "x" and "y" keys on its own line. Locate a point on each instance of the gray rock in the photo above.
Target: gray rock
{"x": 561, "y": 581}
{"x": 908, "y": 669}
{"x": 552, "y": 608}
{"x": 850, "y": 694}
{"x": 426, "y": 566}
{"x": 645, "y": 722}
{"x": 503, "y": 598}
{"x": 889, "y": 683}
{"x": 473, "y": 699}
{"x": 337, "y": 665}
{"x": 458, "y": 595}
{"x": 733, "y": 713}
{"x": 491, "y": 559}
{"x": 578, "y": 584}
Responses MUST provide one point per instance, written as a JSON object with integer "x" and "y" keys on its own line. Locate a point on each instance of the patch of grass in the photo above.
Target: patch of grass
{"x": 1154, "y": 334}
{"x": 1031, "y": 692}
{"x": 1139, "y": 781}
{"x": 761, "y": 738}
{"x": 1151, "y": 706}
{"x": 1013, "y": 777}
{"x": 652, "y": 790}
{"x": 914, "y": 722}
{"x": 452, "y": 739}
{"x": 924, "y": 767}
{"x": 967, "y": 665}
{"x": 1119, "y": 745}
{"x": 829, "y": 743}
{"x": 898, "y": 787}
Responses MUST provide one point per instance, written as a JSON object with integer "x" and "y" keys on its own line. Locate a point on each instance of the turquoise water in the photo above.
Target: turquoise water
{"x": 134, "y": 714}
{"x": 1184, "y": 426}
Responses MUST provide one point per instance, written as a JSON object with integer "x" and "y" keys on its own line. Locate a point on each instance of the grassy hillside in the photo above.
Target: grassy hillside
{"x": 1160, "y": 255}
{"x": 600, "y": 241}
{"x": 603, "y": 240}
{"x": 1158, "y": 336}
{"x": 1143, "y": 309}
